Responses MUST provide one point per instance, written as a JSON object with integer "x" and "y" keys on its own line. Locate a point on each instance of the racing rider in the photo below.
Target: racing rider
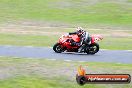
{"x": 81, "y": 33}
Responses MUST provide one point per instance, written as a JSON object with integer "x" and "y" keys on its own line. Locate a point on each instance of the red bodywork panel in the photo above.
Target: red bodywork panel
{"x": 75, "y": 38}
{"x": 95, "y": 38}
{"x": 64, "y": 42}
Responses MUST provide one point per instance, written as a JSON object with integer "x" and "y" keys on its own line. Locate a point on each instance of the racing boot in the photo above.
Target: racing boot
{"x": 81, "y": 49}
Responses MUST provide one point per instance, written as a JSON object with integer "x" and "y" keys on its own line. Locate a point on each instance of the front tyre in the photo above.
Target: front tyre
{"x": 92, "y": 49}
{"x": 57, "y": 48}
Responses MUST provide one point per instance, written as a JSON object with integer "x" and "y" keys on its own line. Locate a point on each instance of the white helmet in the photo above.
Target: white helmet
{"x": 79, "y": 29}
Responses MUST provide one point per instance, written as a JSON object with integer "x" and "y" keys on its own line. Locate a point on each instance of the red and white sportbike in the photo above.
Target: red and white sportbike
{"x": 90, "y": 43}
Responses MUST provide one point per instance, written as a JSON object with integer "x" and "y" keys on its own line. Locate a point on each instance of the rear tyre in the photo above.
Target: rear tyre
{"x": 57, "y": 48}
{"x": 92, "y": 49}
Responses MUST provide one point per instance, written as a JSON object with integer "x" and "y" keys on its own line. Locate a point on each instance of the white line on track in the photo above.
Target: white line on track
{"x": 103, "y": 49}
{"x": 51, "y": 59}
{"x": 129, "y": 50}
{"x": 81, "y": 61}
{"x": 67, "y": 60}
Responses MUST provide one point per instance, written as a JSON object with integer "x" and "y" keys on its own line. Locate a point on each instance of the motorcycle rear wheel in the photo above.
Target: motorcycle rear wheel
{"x": 57, "y": 48}
{"x": 92, "y": 49}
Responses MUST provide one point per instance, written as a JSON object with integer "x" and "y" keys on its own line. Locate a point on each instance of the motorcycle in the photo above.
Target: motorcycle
{"x": 90, "y": 43}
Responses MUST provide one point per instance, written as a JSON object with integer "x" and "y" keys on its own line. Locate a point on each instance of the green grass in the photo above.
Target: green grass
{"x": 44, "y": 73}
{"x": 129, "y": 0}
{"x": 27, "y": 40}
{"x": 67, "y": 11}
{"x": 39, "y": 82}
{"x": 118, "y": 43}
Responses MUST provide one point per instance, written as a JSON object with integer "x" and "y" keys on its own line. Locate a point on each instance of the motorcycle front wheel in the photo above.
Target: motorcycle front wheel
{"x": 92, "y": 49}
{"x": 57, "y": 48}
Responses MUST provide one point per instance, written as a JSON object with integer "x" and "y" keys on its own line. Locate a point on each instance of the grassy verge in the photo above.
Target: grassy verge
{"x": 27, "y": 40}
{"x": 114, "y": 43}
{"x": 44, "y": 73}
{"x": 81, "y": 12}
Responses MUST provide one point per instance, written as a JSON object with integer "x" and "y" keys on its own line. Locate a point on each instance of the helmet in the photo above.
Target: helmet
{"x": 79, "y": 31}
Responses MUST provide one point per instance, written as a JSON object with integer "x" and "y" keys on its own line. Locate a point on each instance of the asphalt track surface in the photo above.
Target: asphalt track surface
{"x": 116, "y": 56}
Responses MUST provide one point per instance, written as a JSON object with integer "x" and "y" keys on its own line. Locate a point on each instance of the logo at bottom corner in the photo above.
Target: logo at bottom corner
{"x": 83, "y": 78}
